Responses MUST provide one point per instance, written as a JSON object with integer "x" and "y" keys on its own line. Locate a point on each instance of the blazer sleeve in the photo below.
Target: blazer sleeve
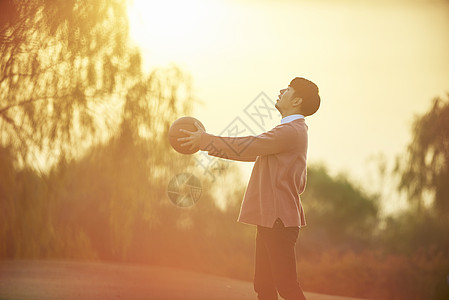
{"x": 249, "y": 147}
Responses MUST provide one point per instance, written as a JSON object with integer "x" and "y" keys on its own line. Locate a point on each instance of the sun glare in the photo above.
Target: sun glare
{"x": 170, "y": 30}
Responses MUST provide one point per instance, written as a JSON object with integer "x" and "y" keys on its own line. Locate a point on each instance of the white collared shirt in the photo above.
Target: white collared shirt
{"x": 291, "y": 118}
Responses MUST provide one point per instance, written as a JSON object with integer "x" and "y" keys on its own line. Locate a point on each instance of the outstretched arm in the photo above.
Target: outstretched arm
{"x": 194, "y": 138}
{"x": 277, "y": 140}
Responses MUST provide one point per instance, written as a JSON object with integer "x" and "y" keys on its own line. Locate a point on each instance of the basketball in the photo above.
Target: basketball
{"x": 186, "y": 123}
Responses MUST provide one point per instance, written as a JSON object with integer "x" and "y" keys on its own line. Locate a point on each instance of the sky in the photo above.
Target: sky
{"x": 377, "y": 64}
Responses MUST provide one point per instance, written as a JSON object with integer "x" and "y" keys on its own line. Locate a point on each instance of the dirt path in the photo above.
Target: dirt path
{"x": 48, "y": 280}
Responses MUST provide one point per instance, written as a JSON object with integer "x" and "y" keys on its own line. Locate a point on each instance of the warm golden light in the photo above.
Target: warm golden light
{"x": 171, "y": 31}
{"x": 368, "y": 59}
{"x": 95, "y": 190}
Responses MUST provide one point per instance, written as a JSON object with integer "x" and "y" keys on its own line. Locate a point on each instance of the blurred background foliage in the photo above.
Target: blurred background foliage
{"x": 85, "y": 163}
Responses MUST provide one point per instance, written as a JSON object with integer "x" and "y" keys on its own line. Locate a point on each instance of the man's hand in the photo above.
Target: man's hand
{"x": 193, "y": 138}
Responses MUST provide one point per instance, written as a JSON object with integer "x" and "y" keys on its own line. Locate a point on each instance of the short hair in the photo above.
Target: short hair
{"x": 308, "y": 92}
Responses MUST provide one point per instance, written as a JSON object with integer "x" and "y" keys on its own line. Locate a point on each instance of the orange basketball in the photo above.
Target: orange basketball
{"x": 186, "y": 123}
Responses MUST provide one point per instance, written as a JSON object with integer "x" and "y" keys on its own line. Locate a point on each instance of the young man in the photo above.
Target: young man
{"x": 272, "y": 200}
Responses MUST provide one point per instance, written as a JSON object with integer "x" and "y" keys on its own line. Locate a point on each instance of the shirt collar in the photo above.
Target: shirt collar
{"x": 290, "y": 118}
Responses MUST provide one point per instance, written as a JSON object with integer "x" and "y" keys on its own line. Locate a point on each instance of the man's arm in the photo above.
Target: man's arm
{"x": 241, "y": 148}
{"x": 215, "y": 149}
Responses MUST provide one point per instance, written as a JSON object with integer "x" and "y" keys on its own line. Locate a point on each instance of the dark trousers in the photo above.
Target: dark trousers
{"x": 275, "y": 263}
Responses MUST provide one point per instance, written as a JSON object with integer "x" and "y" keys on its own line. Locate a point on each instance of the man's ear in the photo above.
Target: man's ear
{"x": 297, "y": 101}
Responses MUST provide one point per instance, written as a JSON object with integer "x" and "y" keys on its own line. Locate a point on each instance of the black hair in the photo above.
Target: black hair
{"x": 309, "y": 93}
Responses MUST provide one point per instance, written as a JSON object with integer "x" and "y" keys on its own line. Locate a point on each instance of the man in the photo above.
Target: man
{"x": 272, "y": 198}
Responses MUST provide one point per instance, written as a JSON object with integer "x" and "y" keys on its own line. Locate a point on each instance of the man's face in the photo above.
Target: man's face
{"x": 284, "y": 102}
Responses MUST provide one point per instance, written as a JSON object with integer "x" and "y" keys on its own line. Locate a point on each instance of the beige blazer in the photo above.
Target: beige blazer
{"x": 279, "y": 174}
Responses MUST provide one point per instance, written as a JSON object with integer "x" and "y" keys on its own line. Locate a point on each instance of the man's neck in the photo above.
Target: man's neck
{"x": 289, "y": 113}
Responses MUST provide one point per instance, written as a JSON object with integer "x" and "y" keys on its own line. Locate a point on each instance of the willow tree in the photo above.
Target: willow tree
{"x": 60, "y": 63}
{"x": 69, "y": 80}
{"x": 424, "y": 170}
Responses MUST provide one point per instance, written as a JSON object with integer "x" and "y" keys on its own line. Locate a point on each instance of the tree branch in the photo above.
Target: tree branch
{"x": 4, "y": 109}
